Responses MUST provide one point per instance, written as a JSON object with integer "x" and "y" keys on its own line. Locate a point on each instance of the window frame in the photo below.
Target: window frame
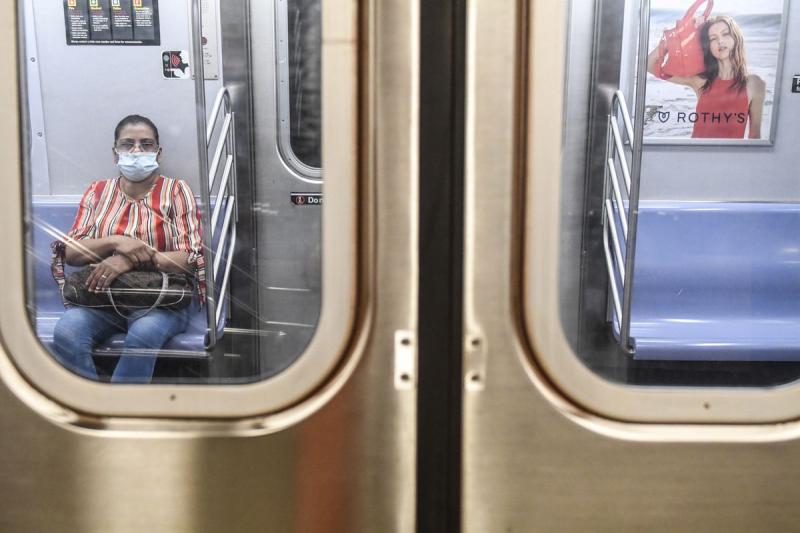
{"x": 343, "y": 313}
{"x": 548, "y": 350}
{"x": 302, "y": 171}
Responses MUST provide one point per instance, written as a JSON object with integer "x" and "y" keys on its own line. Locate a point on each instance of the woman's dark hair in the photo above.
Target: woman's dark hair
{"x": 135, "y": 119}
{"x": 738, "y": 56}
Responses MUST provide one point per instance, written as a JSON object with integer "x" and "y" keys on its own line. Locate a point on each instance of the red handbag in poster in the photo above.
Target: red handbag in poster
{"x": 682, "y": 47}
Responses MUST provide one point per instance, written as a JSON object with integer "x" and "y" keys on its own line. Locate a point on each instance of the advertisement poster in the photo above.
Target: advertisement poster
{"x": 713, "y": 79}
{"x": 112, "y": 22}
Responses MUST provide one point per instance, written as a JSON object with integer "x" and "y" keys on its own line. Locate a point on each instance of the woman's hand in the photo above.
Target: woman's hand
{"x": 138, "y": 252}
{"x": 106, "y": 271}
{"x": 656, "y": 57}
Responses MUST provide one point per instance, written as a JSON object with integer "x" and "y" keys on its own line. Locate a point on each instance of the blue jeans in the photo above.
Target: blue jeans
{"x": 80, "y": 329}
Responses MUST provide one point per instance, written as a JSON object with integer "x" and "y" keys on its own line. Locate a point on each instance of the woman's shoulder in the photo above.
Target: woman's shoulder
{"x": 176, "y": 185}
{"x": 178, "y": 189}
{"x": 754, "y": 81}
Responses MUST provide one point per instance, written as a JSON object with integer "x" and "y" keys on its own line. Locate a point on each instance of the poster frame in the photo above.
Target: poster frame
{"x": 156, "y": 41}
{"x": 777, "y": 92}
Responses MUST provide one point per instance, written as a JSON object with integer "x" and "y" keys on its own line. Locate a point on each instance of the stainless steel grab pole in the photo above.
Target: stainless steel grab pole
{"x": 636, "y": 172}
{"x": 196, "y": 47}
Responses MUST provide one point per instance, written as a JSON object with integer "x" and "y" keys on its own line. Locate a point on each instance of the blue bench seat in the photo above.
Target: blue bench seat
{"x": 717, "y": 281}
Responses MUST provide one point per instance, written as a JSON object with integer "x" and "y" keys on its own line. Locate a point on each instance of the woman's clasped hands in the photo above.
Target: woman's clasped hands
{"x": 129, "y": 254}
{"x": 138, "y": 252}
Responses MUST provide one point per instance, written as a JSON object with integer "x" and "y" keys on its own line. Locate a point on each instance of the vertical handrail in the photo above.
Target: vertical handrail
{"x": 619, "y": 264}
{"x": 613, "y": 203}
{"x": 636, "y": 171}
{"x": 195, "y": 43}
{"x": 226, "y": 194}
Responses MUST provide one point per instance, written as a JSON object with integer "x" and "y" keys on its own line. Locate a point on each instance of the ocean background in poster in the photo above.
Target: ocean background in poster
{"x": 762, "y": 34}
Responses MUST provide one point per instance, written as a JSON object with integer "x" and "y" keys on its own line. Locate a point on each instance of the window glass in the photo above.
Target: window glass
{"x": 305, "y": 109}
{"x": 680, "y": 201}
{"x": 147, "y": 255}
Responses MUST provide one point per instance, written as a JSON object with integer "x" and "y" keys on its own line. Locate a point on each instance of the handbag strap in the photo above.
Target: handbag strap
{"x": 693, "y": 10}
{"x": 161, "y": 294}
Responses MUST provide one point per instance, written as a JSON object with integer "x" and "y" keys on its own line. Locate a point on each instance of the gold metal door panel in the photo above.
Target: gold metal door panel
{"x": 341, "y": 460}
{"x": 532, "y": 459}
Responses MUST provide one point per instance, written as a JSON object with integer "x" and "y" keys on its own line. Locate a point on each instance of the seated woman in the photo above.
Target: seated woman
{"x": 140, "y": 220}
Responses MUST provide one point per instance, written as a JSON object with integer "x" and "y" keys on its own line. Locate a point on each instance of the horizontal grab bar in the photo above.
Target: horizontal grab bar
{"x": 212, "y": 173}
{"x": 619, "y": 103}
{"x": 615, "y": 239}
{"x": 226, "y": 277}
{"x": 612, "y": 278}
{"x": 220, "y": 194}
{"x": 222, "y": 240}
{"x": 626, "y": 173}
{"x": 617, "y": 197}
{"x": 222, "y": 96}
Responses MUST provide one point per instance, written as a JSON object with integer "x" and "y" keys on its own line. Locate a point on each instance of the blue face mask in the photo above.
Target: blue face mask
{"x": 138, "y": 166}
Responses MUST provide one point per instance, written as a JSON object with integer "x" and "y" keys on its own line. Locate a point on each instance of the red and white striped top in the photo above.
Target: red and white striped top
{"x": 166, "y": 219}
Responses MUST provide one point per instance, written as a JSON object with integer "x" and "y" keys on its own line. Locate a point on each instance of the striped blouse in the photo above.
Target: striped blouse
{"x": 166, "y": 219}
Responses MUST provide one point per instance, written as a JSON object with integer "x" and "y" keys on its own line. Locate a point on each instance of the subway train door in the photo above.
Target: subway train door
{"x": 631, "y": 267}
{"x": 224, "y": 195}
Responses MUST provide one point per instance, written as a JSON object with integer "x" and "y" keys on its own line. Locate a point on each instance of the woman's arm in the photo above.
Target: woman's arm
{"x": 80, "y": 247}
{"x": 107, "y": 270}
{"x": 656, "y": 57}
{"x": 187, "y": 239}
{"x": 85, "y": 251}
{"x": 758, "y": 91}
{"x": 174, "y": 262}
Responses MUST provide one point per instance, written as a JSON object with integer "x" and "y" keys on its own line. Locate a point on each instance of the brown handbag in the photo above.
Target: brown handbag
{"x": 136, "y": 290}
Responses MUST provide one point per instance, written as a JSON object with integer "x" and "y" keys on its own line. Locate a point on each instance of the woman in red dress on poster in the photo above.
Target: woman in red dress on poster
{"x": 730, "y": 102}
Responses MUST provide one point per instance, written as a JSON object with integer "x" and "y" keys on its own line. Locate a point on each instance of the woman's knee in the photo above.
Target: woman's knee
{"x": 72, "y": 330}
{"x": 155, "y": 329}
{"x": 80, "y": 329}
{"x": 73, "y": 340}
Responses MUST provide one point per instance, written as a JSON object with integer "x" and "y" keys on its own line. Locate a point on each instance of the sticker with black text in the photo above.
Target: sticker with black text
{"x": 306, "y": 198}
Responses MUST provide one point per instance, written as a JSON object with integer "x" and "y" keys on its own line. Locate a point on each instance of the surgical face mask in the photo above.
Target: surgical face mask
{"x": 138, "y": 166}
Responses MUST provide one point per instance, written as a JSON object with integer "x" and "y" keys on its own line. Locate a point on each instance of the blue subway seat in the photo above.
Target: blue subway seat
{"x": 717, "y": 281}
{"x": 57, "y": 213}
